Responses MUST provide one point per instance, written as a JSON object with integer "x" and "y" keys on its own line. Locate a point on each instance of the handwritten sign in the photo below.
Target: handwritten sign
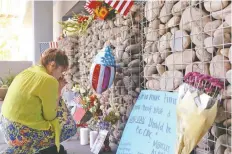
{"x": 99, "y": 141}
{"x": 151, "y": 127}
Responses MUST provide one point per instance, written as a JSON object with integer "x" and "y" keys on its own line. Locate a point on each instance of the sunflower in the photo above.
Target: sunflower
{"x": 103, "y": 12}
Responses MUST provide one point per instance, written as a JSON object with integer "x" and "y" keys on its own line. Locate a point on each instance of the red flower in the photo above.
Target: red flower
{"x": 93, "y": 97}
{"x": 94, "y": 4}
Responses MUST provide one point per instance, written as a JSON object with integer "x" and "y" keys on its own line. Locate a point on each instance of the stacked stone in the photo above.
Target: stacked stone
{"x": 70, "y": 46}
{"x": 123, "y": 34}
{"x": 185, "y": 36}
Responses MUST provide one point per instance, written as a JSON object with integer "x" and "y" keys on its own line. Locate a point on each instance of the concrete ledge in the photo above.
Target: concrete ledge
{"x": 14, "y": 67}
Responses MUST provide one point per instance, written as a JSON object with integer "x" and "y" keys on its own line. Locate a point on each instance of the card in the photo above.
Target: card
{"x": 99, "y": 141}
{"x": 79, "y": 114}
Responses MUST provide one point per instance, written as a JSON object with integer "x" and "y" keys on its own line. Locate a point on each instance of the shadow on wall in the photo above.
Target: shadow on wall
{"x": 14, "y": 67}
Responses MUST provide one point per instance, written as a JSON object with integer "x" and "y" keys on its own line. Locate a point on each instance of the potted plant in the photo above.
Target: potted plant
{"x": 4, "y": 84}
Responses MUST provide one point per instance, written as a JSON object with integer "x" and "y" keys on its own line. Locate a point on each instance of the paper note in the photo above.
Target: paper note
{"x": 151, "y": 127}
{"x": 99, "y": 141}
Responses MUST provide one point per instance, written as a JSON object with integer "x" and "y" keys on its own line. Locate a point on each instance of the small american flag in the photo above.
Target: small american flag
{"x": 122, "y": 6}
{"x": 78, "y": 99}
{"x": 45, "y": 45}
{"x": 87, "y": 7}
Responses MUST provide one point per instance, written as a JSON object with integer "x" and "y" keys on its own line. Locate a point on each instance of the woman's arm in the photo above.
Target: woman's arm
{"x": 49, "y": 97}
{"x": 62, "y": 83}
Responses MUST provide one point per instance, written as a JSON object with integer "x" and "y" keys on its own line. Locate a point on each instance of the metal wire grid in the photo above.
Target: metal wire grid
{"x": 116, "y": 96}
{"x": 209, "y": 141}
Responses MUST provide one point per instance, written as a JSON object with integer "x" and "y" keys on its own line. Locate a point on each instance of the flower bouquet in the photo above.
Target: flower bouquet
{"x": 106, "y": 122}
{"x": 196, "y": 109}
{"x": 77, "y": 25}
{"x": 87, "y": 106}
{"x": 100, "y": 9}
{"x": 88, "y": 101}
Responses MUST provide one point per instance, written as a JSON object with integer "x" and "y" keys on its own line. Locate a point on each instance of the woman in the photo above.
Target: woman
{"x": 33, "y": 116}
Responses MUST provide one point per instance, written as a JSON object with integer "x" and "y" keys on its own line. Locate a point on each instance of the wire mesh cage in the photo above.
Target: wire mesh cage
{"x": 190, "y": 36}
{"x": 124, "y": 35}
{"x": 155, "y": 45}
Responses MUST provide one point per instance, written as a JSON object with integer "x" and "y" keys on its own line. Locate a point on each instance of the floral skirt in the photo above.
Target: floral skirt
{"x": 24, "y": 140}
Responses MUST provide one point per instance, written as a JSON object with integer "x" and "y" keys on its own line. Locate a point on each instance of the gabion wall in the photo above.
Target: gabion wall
{"x": 124, "y": 35}
{"x": 191, "y": 35}
{"x": 156, "y": 45}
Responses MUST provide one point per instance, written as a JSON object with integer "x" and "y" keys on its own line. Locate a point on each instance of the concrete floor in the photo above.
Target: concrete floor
{"x": 72, "y": 146}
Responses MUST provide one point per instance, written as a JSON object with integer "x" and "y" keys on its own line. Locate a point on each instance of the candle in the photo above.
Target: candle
{"x": 84, "y": 136}
{"x": 93, "y": 136}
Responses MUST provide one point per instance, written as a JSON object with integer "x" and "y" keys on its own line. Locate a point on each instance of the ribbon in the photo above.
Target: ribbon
{"x": 84, "y": 125}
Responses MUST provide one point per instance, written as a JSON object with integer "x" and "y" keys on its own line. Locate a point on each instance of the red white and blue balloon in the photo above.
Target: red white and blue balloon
{"x": 102, "y": 71}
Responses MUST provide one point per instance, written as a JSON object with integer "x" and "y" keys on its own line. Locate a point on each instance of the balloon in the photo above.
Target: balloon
{"x": 102, "y": 71}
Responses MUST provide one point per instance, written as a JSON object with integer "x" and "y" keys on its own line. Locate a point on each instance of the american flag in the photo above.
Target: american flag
{"x": 87, "y": 7}
{"x": 122, "y": 6}
{"x": 101, "y": 77}
{"x": 78, "y": 99}
{"x": 45, "y": 45}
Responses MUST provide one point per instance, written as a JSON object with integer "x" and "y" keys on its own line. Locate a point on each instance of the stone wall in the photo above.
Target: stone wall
{"x": 124, "y": 35}
{"x": 156, "y": 45}
{"x": 184, "y": 36}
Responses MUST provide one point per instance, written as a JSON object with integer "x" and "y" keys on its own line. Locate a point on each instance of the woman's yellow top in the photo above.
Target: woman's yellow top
{"x": 32, "y": 100}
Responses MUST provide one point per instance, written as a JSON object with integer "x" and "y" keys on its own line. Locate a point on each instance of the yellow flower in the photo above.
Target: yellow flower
{"x": 103, "y": 13}
{"x": 96, "y": 11}
{"x": 83, "y": 102}
{"x": 102, "y": 107}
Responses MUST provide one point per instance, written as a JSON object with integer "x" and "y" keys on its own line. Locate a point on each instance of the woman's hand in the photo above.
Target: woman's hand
{"x": 62, "y": 83}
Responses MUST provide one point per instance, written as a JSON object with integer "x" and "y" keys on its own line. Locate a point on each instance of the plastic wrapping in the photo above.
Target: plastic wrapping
{"x": 196, "y": 110}
{"x": 193, "y": 118}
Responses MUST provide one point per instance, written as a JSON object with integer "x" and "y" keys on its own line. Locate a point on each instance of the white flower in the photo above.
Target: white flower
{"x": 95, "y": 103}
{"x": 91, "y": 109}
{"x": 75, "y": 89}
{"x": 102, "y": 107}
{"x": 117, "y": 114}
{"x": 82, "y": 91}
{"x": 87, "y": 99}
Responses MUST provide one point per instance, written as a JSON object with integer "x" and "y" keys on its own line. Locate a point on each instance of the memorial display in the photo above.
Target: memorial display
{"x": 155, "y": 45}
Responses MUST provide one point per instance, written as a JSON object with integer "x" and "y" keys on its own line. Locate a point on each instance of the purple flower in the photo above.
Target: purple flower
{"x": 104, "y": 125}
{"x": 204, "y": 82}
